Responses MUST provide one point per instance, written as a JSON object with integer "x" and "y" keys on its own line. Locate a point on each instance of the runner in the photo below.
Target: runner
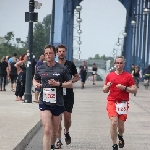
{"x": 119, "y": 84}
{"x": 68, "y": 94}
{"x": 51, "y": 77}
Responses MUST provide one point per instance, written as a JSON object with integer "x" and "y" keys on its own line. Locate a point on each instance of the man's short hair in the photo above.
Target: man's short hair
{"x": 61, "y": 46}
{"x": 15, "y": 54}
{"x": 51, "y": 47}
{"x": 120, "y": 57}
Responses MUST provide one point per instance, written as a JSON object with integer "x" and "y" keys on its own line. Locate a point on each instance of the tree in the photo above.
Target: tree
{"x": 41, "y": 35}
{"x": 9, "y": 37}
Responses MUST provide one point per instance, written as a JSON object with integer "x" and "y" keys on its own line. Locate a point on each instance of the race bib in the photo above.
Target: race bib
{"x": 49, "y": 95}
{"x": 121, "y": 108}
{"x": 93, "y": 72}
{"x": 64, "y": 91}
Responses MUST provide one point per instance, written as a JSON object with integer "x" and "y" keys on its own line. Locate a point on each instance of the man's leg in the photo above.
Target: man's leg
{"x": 58, "y": 144}
{"x": 113, "y": 129}
{"x": 67, "y": 125}
{"x": 56, "y": 121}
{"x": 67, "y": 120}
{"x": 46, "y": 118}
{"x": 120, "y": 131}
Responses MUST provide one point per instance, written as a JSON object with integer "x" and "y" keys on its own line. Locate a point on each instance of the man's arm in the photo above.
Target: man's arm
{"x": 106, "y": 87}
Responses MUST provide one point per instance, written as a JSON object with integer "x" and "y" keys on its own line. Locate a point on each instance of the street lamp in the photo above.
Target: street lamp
{"x": 30, "y": 17}
{"x": 78, "y": 8}
{"x": 146, "y": 11}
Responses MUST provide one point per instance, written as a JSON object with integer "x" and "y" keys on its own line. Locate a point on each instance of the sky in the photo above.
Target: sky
{"x": 103, "y": 22}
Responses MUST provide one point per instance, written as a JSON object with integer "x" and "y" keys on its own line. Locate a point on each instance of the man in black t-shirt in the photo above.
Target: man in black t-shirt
{"x": 68, "y": 94}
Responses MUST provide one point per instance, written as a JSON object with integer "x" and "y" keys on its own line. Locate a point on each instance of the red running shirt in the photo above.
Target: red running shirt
{"x": 116, "y": 94}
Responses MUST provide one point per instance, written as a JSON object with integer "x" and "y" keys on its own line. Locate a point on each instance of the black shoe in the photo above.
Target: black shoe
{"x": 67, "y": 138}
{"x": 121, "y": 141}
{"x": 52, "y": 147}
{"x": 58, "y": 145}
{"x": 115, "y": 147}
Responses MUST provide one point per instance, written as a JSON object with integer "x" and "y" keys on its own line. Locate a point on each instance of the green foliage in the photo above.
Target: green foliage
{"x": 41, "y": 37}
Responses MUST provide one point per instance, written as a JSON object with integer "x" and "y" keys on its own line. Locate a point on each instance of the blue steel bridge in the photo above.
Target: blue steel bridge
{"x": 136, "y": 43}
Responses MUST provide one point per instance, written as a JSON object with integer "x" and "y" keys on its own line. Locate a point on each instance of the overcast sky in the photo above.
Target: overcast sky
{"x": 103, "y": 20}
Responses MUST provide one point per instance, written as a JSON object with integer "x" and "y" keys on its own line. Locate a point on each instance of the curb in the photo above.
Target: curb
{"x": 25, "y": 141}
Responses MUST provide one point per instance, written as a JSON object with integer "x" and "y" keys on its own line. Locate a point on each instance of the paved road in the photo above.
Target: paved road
{"x": 90, "y": 126}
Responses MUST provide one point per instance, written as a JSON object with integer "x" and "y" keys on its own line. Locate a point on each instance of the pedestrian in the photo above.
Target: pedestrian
{"x": 119, "y": 84}
{"x": 37, "y": 90}
{"x": 68, "y": 94}
{"x": 21, "y": 71}
{"x": 13, "y": 74}
{"x": 51, "y": 77}
{"x": 94, "y": 72}
{"x": 4, "y": 72}
{"x": 83, "y": 73}
{"x": 132, "y": 68}
{"x": 136, "y": 75}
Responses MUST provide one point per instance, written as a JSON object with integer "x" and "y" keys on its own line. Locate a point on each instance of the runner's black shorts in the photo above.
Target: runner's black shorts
{"x": 55, "y": 110}
{"x": 68, "y": 102}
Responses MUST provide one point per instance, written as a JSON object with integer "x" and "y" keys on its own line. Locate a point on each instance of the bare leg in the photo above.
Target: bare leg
{"x": 120, "y": 127}
{"x": 46, "y": 118}
{"x": 113, "y": 129}
{"x": 67, "y": 120}
{"x": 55, "y": 124}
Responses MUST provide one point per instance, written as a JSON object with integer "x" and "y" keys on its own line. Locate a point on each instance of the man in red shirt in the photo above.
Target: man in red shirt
{"x": 119, "y": 84}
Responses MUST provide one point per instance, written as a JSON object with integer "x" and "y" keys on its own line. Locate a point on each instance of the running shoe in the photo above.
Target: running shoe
{"x": 67, "y": 138}
{"x": 58, "y": 145}
{"x": 52, "y": 147}
{"x": 115, "y": 147}
{"x": 121, "y": 141}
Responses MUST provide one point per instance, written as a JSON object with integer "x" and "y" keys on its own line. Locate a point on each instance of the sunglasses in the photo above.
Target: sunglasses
{"x": 118, "y": 62}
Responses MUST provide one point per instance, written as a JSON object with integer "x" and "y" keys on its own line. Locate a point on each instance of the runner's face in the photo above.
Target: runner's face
{"x": 61, "y": 53}
{"x": 49, "y": 55}
{"x": 119, "y": 63}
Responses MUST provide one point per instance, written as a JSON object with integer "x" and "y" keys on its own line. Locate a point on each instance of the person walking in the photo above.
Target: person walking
{"x": 94, "y": 72}
{"x": 21, "y": 71}
{"x": 68, "y": 94}
{"x": 136, "y": 75}
{"x": 119, "y": 84}
{"x": 83, "y": 73}
{"x": 51, "y": 77}
{"x": 13, "y": 74}
{"x": 4, "y": 72}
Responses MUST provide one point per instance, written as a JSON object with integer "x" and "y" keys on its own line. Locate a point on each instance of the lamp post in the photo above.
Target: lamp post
{"x": 31, "y": 17}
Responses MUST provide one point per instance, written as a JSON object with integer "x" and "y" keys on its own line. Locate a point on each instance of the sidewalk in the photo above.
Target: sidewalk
{"x": 90, "y": 124}
{"x": 18, "y": 121}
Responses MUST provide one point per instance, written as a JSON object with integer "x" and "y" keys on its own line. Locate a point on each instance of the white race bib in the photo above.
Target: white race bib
{"x": 49, "y": 95}
{"x": 121, "y": 108}
{"x": 64, "y": 91}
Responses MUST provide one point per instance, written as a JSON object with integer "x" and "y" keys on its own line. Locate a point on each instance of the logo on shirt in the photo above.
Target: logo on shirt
{"x": 56, "y": 74}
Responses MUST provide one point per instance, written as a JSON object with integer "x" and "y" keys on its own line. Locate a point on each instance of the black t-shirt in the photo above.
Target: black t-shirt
{"x": 72, "y": 71}
{"x": 3, "y": 66}
{"x": 57, "y": 72}
{"x": 13, "y": 69}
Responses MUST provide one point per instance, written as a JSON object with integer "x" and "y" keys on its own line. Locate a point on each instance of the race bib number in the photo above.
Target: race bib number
{"x": 121, "y": 108}
{"x": 64, "y": 91}
{"x": 93, "y": 72}
{"x": 49, "y": 95}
